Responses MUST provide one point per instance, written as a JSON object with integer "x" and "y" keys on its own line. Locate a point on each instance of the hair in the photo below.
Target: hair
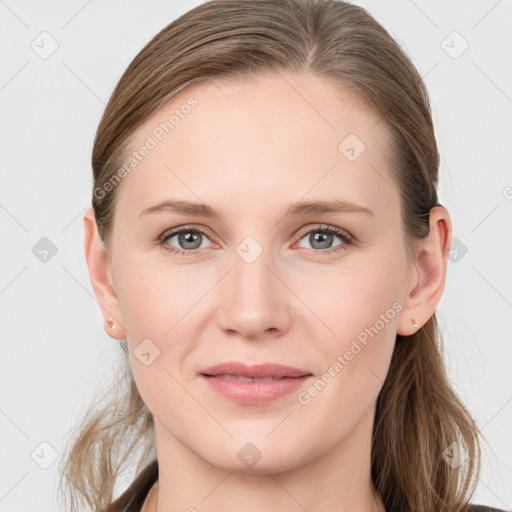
{"x": 418, "y": 414}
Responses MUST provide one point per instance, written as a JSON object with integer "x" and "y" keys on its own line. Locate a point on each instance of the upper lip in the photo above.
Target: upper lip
{"x": 254, "y": 370}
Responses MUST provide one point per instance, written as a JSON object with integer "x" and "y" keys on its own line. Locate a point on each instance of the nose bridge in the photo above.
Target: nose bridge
{"x": 251, "y": 270}
{"x": 252, "y": 279}
{"x": 255, "y": 303}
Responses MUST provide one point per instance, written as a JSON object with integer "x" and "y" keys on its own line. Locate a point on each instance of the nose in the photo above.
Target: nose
{"x": 255, "y": 301}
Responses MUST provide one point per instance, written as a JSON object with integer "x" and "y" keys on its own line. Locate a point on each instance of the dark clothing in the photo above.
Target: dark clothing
{"x": 484, "y": 508}
{"x": 133, "y": 498}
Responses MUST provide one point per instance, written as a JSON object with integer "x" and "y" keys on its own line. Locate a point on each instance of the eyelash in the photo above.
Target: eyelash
{"x": 345, "y": 236}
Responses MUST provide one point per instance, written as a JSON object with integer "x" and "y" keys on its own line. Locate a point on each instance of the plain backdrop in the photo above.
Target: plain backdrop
{"x": 54, "y": 351}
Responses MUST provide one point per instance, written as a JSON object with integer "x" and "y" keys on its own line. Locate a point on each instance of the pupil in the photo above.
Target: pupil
{"x": 189, "y": 238}
{"x": 323, "y": 239}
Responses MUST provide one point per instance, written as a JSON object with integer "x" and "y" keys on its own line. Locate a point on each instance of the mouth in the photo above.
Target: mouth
{"x": 254, "y": 384}
{"x": 241, "y": 378}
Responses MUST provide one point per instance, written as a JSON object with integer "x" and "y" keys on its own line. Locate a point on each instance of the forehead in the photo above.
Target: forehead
{"x": 246, "y": 139}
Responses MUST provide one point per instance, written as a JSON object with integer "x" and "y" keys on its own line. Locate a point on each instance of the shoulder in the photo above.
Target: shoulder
{"x": 484, "y": 508}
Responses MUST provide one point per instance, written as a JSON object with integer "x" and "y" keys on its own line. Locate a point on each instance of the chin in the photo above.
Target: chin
{"x": 257, "y": 454}
{"x": 266, "y": 465}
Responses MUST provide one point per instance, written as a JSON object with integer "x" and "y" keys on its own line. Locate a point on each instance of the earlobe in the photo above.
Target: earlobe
{"x": 101, "y": 280}
{"x": 430, "y": 263}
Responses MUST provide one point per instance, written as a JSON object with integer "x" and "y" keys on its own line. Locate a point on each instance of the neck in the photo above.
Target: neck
{"x": 336, "y": 481}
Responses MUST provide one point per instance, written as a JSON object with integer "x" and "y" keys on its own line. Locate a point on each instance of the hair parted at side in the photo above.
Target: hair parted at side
{"x": 418, "y": 414}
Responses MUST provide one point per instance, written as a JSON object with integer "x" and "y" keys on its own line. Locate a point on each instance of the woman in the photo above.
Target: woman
{"x": 266, "y": 241}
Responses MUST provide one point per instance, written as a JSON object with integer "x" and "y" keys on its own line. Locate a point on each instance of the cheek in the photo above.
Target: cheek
{"x": 351, "y": 296}
{"x": 155, "y": 316}
{"x": 159, "y": 305}
{"x": 361, "y": 309}
{"x": 358, "y": 305}
{"x": 155, "y": 296}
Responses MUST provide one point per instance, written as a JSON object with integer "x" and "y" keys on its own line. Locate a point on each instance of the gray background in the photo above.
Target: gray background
{"x": 54, "y": 351}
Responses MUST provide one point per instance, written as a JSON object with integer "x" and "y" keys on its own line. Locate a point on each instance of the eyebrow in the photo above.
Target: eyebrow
{"x": 298, "y": 208}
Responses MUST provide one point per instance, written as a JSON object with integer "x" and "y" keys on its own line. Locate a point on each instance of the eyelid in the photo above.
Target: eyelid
{"x": 343, "y": 233}
{"x": 170, "y": 233}
{"x": 176, "y": 231}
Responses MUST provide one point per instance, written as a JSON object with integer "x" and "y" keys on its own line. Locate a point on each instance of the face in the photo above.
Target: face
{"x": 268, "y": 279}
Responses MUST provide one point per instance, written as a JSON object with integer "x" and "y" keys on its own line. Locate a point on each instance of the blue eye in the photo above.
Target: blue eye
{"x": 191, "y": 240}
{"x": 324, "y": 235}
{"x": 187, "y": 237}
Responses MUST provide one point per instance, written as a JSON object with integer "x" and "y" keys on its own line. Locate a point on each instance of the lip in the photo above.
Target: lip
{"x": 282, "y": 381}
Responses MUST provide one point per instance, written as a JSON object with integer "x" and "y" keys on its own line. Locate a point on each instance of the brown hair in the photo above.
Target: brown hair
{"x": 418, "y": 414}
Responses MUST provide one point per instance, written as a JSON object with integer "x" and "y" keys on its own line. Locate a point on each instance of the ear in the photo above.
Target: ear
{"x": 101, "y": 277}
{"x": 428, "y": 273}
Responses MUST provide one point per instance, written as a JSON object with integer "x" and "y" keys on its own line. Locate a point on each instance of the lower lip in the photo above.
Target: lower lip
{"x": 255, "y": 393}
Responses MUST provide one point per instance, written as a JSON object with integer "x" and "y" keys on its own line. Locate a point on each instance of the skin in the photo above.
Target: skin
{"x": 251, "y": 149}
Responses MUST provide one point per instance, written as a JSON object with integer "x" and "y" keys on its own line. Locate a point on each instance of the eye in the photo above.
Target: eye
{"x": 321, "y": 238}
{"x": 189, "y": 240}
